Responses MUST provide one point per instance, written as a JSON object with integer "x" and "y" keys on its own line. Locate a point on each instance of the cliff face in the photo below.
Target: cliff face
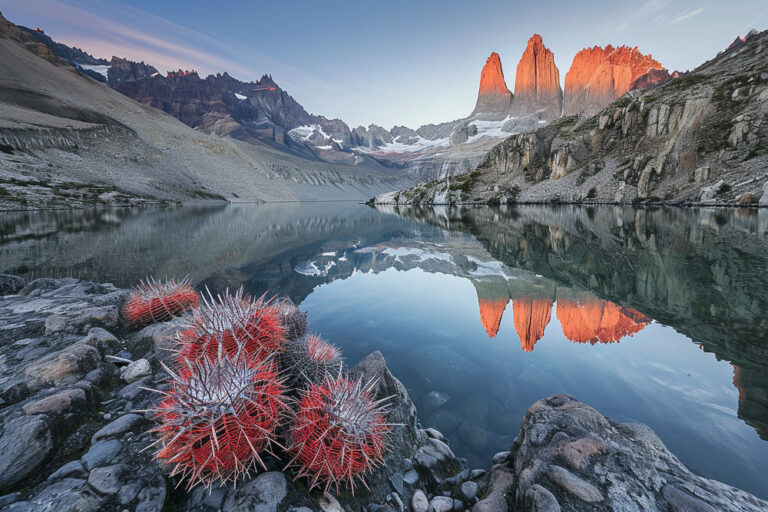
{"x": 599, "y": 76}
{"x": 531, "y": 317}
{"x": 698, "y": 139}
{"x": 537, "y": 82}
{"x": 493, "y": 95}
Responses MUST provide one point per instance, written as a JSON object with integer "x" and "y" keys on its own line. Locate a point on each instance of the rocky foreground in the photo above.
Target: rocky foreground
{"x": 72, "y": 434}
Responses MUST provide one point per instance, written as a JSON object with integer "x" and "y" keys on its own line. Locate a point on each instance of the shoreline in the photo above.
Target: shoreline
{"x": 66, "y": 383}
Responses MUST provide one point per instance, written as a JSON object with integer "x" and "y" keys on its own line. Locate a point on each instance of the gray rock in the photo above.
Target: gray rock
{"x": 627, "y": 460}
{"x": 73, "y": 469}
{"x": 764, "y": 198}
{"x": 539, "y": 499}
{"x": 69, "y": 494}
{"x": 419, "y": 502}
{"x": 57, "y": 403}
{"x": 458, "y": 505}
{"x": 501, "y": 457}
{"x": 469, "y": 490}
{"x": 25, "y": 442}
{"x": 397, "y": 482}
{"x": 434, "y": 434}
{"x": 411, "y": 477}
{"x": 501, "y": 483}
{"x": 109, "y": 479}
{"x": 10, "y": 284}
{"x": 573, "y": 484}
{"x": 152, "y": 496}
{"x": 441, "y": 504}
{"x": 262, "y": 494}
{"x": 101, "y": 453}
{"x": 136, "y": 370}
{"x": 135, "y": 389}
{"x": 683, "y": 502}
{"x": 118, "y": 427}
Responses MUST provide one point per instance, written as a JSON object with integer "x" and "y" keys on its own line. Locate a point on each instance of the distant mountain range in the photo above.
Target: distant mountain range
{"x": 262, "y": 113}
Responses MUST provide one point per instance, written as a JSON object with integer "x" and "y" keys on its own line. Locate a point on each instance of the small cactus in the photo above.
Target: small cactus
{"x": 218, "y": 416}
{"x": 294, "y": 322}
{"x": 310, "y": 358}
{"x": 228, "y": 321}
{"x": 339, "y": 432}
{"x": 155, "y": 301}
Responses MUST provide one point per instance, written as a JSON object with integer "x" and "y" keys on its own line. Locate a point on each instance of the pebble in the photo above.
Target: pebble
{"x": 396, "y": 479}
{"x": 118, "y": 427}
{"x": 683, "y": 502}
{"x": 441, "y": 504}
{"x": 55, "y": 404}
{"x": 419, "y": 501}
{"x": 501, "y": 457}
{"x": 458, "y": 505}
{"x": 135, "y": 371}
{"x": 101, "y": 453}
{"x": 411, "y": 477}
{"x": 469, "y": 490}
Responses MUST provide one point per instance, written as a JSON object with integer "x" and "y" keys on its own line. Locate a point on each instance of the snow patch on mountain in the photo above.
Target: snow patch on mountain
{"x": 240, "y": 96}
{"x": 100, "y": 69}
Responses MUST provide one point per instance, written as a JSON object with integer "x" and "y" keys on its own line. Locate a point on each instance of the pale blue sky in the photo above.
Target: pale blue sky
{"x": 395, "y": 62}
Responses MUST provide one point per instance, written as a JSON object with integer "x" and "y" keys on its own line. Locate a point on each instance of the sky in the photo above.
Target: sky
{"x": 389, "y": 63}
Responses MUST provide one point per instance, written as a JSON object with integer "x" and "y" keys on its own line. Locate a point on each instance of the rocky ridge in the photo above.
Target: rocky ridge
{"x": 698, "y": 139}
{"x": 76, "y": 388}
{"x": 537, "y": 82}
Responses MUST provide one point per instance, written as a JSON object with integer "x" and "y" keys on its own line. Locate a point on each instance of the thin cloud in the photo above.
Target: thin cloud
{"x": 687, "y": 15}
{"x": 637, "y": 14}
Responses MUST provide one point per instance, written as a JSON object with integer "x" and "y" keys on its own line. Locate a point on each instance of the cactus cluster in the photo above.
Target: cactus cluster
{"x": 230, "y": 398}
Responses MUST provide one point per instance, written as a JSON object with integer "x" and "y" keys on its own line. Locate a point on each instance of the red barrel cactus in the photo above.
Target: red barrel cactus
{"x": 310, "y": 358}
{"x": 219, "y": 417}
{"x": 229, "y": 323}
{"x": 155, "y": 301}
{"x": 339, "y": 432}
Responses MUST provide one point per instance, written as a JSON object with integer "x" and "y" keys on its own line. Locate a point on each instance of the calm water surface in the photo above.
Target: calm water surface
{"x": 650, "y": 315}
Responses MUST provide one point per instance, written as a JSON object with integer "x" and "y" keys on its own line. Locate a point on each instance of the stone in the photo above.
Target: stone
{"x": 396, "y": 479}
{"x": 681, "y": 501}
{"x": 262, "y": 494}
{"x": 102, "y": 339}
{"x": 10, "y": 284}
{"x": 24, "y": 444}
{"x": 539, "y": 499}
{"x": 73, "y": 469}
{"x": 55, "y": 404}
{"x": 108, "y": 479}
{"x": 136, "y": 370}
{"x": 411, "y": 477}
{"x": 63, "y": 367}
{"x": 501, "y": 457}
{"x": 441, "y": 504}
{"x": 101, "y": 453}
{"x": 501, "y": 483}
{"x": 458, "y": 505}
{"x": 134, "y": 389}
{"x": 434, "y": 434}
{"x": 764, "y": 197}
{"x": 469, "y": 490}
{"x": 419, "y": 501}
{"x": 575, "y": 485}
{"x": 118, "y": 427}
{"x": 152, "y": 497}
{"x": 68, "y": 494}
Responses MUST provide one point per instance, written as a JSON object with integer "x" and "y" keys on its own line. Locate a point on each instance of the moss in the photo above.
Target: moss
{"x": 622, "y": 102}
{"x": 723, "y": 189}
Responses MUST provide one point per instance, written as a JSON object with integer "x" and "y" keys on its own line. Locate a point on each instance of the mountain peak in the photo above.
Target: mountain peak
{"x": 537, "y": 82}
{"x": 493, "y": 96}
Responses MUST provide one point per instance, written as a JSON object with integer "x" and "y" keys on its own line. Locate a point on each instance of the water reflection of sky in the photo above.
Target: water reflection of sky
{"x": 657, "y": 376}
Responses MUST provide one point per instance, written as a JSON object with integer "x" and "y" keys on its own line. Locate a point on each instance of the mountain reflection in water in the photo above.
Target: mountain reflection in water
{"x": 623, "y": 306}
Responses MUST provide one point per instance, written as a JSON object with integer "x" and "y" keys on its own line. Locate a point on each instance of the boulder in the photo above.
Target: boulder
{"x": 570, "y": 457}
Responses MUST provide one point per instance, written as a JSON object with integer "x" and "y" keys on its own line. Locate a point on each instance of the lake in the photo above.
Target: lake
{"x": 649, "y": 315}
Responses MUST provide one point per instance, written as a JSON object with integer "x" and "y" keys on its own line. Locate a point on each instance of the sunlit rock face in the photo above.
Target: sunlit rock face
{"x": 492, "y": 298}
{"x": 493, "y": 96}
{"x": 537, "y": 82}
{"x": 531, "y": 316}
{"x": 598, "y": 76}
{"x": 586, "y": 319}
